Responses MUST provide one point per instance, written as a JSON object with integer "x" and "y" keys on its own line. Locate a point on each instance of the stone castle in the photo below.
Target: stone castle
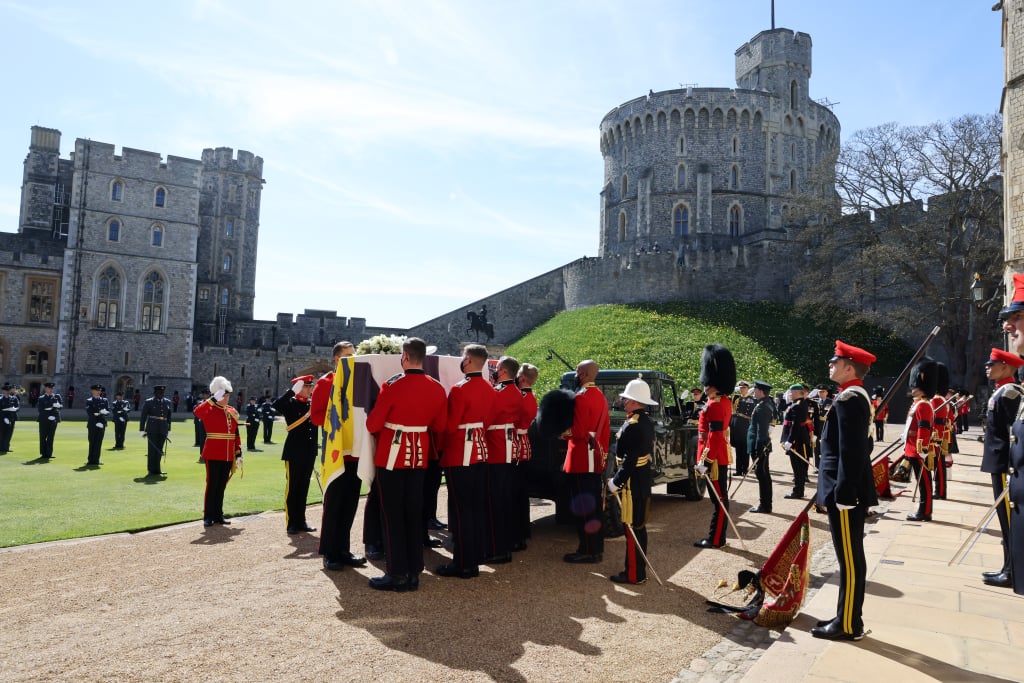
{"x": 131, "y": 270}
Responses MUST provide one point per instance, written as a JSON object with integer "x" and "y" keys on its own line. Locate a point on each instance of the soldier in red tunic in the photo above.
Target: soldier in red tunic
{"x": 943, "y": 422}
{"x": 584, "y": 464}
{"x": 222, "y": 448}
{"x": 718, "y": 375}
{"x": 464, "y": 460}
{"x": 918, "y": 433}
{"x": 412, "y": 405}
{"x": 520, "y": 493}
{"x": 501, "y": 437}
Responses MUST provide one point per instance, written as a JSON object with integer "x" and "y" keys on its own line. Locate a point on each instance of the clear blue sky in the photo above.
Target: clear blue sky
{"x": 420, "y": 155}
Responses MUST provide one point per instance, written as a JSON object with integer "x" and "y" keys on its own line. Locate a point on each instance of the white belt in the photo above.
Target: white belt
{"x": 590, "y": 451}
{"x": 396, "y": 441}
{"x": 509, "y": 429}
{"x": 522, "y": 432}
{"x": 474, "y": 435}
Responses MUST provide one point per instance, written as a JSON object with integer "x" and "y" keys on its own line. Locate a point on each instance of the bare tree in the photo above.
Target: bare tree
{"x": 919, "y": 214}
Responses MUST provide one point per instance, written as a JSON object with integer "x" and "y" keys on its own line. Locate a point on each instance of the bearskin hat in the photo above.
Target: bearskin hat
{"x": 555, "y": 412}
{"x": 924, "y": 376}
{"x": 717, "y": 368}
{"x": 941, "y": 379}
{"x": 878, "y": 392}
{"x": 220, "y": 383}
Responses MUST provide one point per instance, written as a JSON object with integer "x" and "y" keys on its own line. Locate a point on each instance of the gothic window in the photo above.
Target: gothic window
{"x": 681, "y": 176}
{"x": 227, "y": 263}
{"x": 792, "y": 151}
{"x": 792, "y": 181}
{"x": 625, "y": 155}
{"x": 114, "y": 231}
{"x": 37, "y": 363}
{"x": 793, "y": 92}
{"x": 116, "y": 191}
{"x": 108, "y": 298}
{"x": 622, "y": 227}
{"x": 734, "y": 221}
{"x": 41, "y": 301}
{"x": 152, "y": 302}
{"x": 682, "y": 145}
{"x": 625, "y": 185}
{"x": 158, "y": 236}
{"x": 735, "y": 145}
{"x": 161, "y": 197}
{"x": 252, "y": 199}
{"x": 681, "y": 221}
{"x": 734, "y": 177}
{"x": 229, "y": 227}
{"x": 225, "y": 296}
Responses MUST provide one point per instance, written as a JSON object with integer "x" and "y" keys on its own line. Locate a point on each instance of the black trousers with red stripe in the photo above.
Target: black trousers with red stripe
{"x": 719, "y": 525}
{"x": 924, "y": 488}
{"x": 636, "y": 568}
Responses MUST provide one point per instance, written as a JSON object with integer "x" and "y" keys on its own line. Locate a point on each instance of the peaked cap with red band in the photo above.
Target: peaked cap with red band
{"x": 307, "y": 379}
{"x": 1017, "y": 303}
{"x": 853, "y": 353}
{"x": 1000, "y": 356}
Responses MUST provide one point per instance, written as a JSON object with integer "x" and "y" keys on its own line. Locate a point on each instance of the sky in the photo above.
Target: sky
{"x": 420, "y": 155}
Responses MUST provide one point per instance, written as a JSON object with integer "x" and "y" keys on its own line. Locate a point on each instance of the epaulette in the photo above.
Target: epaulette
{"x": 634, "y": 418}
{"x": 462, "y": 382}
{"x": 392, "y": 380}
{"x": 1010, "y": 390}
{"x": 849, "y": 392}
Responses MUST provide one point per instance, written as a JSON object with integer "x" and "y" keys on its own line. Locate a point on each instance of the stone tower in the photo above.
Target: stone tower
{"x": 46, "y": 187}
{"x": 1013, "y": 138}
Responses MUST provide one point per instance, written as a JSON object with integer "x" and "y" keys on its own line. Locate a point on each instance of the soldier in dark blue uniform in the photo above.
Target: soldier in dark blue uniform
{"x": 120, "y": 409}
{"x": 198, "y": 424}
{"x": 252, "y": 425}
{"x": 9, "y": 405}
{"x": 267, "y": 414}
{"x": 96, "y": 410}
{"x": 822, "y": 402}
{"x": 299, "y": 452}
{"x": 48, "y": 404}
{"x": 759, "y": 443}
{"x": 155, "y": 424}
{"x": 1012, "y": 318}
{"x": 798, "y": 437}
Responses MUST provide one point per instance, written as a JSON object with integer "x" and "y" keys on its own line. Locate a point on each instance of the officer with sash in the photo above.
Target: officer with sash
{"x": 299, "y": 452}
{"x": 222, "y": 447}
{"x": 918, "y": 434}
{"x": 9, "y": 405}
{"x": 96, "y": 411}
{"x": 155, "y": 425}
{"x": 49, "y": 405}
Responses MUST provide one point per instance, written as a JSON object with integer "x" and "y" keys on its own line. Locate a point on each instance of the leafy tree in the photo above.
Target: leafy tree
{"x": 920, "y": 214}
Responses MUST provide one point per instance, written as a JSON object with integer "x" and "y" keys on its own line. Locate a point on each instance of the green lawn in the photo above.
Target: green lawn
{"x": 46, "y": 501}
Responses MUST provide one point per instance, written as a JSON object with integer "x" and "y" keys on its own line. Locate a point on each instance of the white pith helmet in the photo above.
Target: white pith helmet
{"x": 638, "y": 390}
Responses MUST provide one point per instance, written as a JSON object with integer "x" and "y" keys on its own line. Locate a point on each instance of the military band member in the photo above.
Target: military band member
{"x": 96, "y": 411}
{"x": 501, "y": 437}
{"x": 299, "y": 452}
{"x": 119, "y": 410}
{"x": 584, "y": 464}
{"x": 742, "y": 407}
{"x": 464, "y": 460}
{"x": 1012, "y": 318}
{"x": 798, "y": 438}
{"x": 49, "y": 405}
{"x": 252, "y": 424}
{"x": 9, "y": 406}
{"x": 412, "y": 405}
{"x": 1001, "y": 411}
{"x": 759, "y": 443}
{"x": 222, "y": 448}
{"x": 267, "y": 417}
{"x": 918, "y": 431}
{"x": 525, "y": 380}
{"x": 634, "y": 448}
{"x": 718, "y": 375}
{"x": 846, "y": 486}
{"x": 943, "y": 424}
{"x": 155, "y": 425}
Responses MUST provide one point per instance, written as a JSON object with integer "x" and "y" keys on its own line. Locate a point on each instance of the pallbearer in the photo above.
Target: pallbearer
{"x": 944, "y": 419}
{"x": 846, "y": 486}
{"x": 718, "y": 375}
{"x": 918, "y": 434}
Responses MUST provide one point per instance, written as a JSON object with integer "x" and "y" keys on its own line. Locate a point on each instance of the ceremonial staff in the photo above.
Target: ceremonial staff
{"x": 906, "y": 370}
{"x": 753, "y": 466}
{"x": 718, "y": 500}
{"x": 891, "y": 447}
{"x": 636, "y": 541}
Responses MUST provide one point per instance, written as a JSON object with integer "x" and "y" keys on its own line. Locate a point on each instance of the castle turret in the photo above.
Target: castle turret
{"x": 46, "y": 187}
{"x": 779, "y": 62}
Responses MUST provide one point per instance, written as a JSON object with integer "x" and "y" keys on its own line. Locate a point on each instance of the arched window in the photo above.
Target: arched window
{"x": 625, "y": 185}
{"x": 116, "y": 191}
{"x": 114, "y": 231}
{"x": 160, "y": 198}
{"x": 158, "y": 236}
{"x": 793, "y": 91}
{"x": 735, "y": 145}
{"x": 625, "y": 155}
{"x": 108, "y": 298}
{"x": 681, "y": 176}
{"x": 227, "y": 263}
{"x": 622, "y": 227}
{"x": 792, "y": 151}
{"x": 734, "y": 221}
{"x": 152, "y": 302}
{"x": 229, "y": 227}
{"x": 37, "y": 363}
{"x": 734, "y": 177}
{"x": 682, "y": 145}
{"x": 681, "y": 221}
{"x": 225, "y": 296}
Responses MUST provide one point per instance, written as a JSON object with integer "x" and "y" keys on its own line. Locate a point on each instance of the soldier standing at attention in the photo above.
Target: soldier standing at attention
{"x": 798, "y": 438}
{"x": 48, "y": 405}
{"x": 222, "y": 448}
{"x": 299, "y": 452}
{"x": 742, "y": 407}
{"x": 584, "y": 464}
{"x": 943, "y": 423}
{"x": 846, "y": 486}
{"x": 267, "y": 416}
{"x": 822, "y": 403}
{"x": 252, "y": 425}
{"x": 120, "y": 409}
{"x": 9, "y": 405}
{"x": 501, "y": 435}
{"x": 96, "y": 411}
{"x": 880, "y": 415}
{"x": 412, "y": 405}
{"x": 198, "y": 424}
{"x": 718, "y": 375}
{"x": 759, "y": 443}
{"x": 634, "y": 447}
{"x": 1013, "y": 325}
{"x": 918, "y": 433}
{"x": 155, "y": 425}
{"x": 995, "y": 460}
{"x": 525, "y": 380}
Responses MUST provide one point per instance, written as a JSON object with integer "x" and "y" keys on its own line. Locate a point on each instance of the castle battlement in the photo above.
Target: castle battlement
{"x": 224, "y": 159}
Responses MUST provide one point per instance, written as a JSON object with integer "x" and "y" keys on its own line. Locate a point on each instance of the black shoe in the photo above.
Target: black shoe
{"x": 451, "y": 570}
{"x": 706, "y": 543}
{"x": 833, "y": 631}
{"x": 1001, "y": 580}
{"x": 433, "y": 543}
{"x": 207, "y": 522}
{"x": 740, "y": 473}
{"x": 374, "y": 552}
{"x": 915, "y": 517}
{"x": 762, "y": 508}
{"x": 820, "y": 509}
{"x": 221, "y": 520}
{"x": 414, "y": 581}
{"x": 793, "y": 495}
{"x": 498, "y": 559}
{"x": 333, "y": 565}
{"x": 825, "y": 622}
{"x": 1004, "y": 570}
{"x": 300, "y": 529}
{"x": 436, "y": 524}
{"x": 621, "y": 577}
{"x": 583, "y": 558}
{"x": 399, "y": 584}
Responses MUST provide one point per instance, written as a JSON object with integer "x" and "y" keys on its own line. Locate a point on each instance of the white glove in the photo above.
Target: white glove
{"x": 7, "y": 420}
{"x": 57, "y": 405}
{"x": 52, "y": 417}
{"x": 120, "y": 419}
{"x": 702, "y": 468}
{"x": 814, "y": 440}
{"x": 104, "y": 412}
{"x": 11, "y": 409}
{"x": 787, "y": 445}
{"x": 142, "y": 433}
{"x": 100, "y": 425}
{"x": 845, "y": 507}
{"x": 297, "y": 387}
{"x": 612, "y": 486}
{"x": 218, "y": 395}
